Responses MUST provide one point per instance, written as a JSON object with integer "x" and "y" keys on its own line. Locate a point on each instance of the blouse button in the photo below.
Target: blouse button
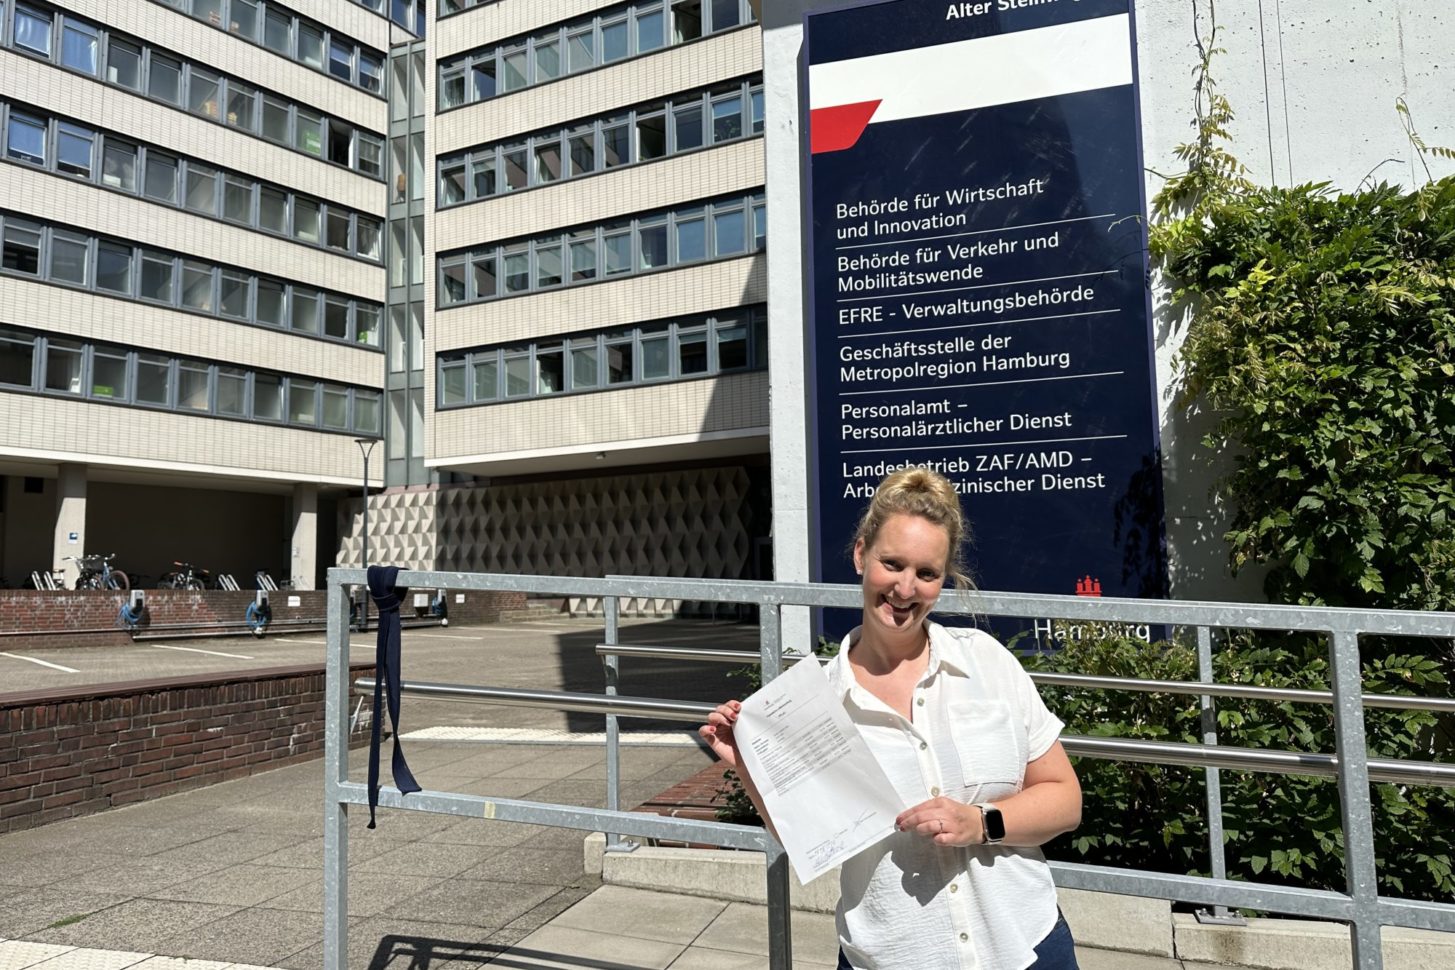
{"x": 954, "y": 887}
{"x": 964, "y": 937}
{"x": 934, "y": 792}
{"x": 920, "y": 702}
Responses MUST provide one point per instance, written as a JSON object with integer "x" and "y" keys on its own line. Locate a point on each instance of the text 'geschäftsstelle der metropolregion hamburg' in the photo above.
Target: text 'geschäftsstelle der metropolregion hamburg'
{"x": 934, "y": 310}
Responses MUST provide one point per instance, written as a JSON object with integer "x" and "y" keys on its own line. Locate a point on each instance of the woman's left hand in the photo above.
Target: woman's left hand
{"x": 943, "y": 820}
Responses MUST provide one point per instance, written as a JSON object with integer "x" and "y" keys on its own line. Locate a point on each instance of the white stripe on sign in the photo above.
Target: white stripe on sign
{"x": 43, "y": 663}
{"x": 210, "y": 653}
{"x": 979, "y": 73}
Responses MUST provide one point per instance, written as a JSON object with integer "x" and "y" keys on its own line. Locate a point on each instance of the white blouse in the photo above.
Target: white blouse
{"x": 906, "y": 902}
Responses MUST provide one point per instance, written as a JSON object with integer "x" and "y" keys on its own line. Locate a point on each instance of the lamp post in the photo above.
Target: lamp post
{"x": 366, "y": 445}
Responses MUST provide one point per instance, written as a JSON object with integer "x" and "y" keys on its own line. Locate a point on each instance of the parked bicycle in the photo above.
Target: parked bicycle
{"x": 186, "y": 576}
{"x": 96, "y": 572}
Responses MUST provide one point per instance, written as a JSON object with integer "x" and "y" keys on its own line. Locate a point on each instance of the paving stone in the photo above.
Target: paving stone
{"x": 42, "y": 867}
{"x": 474, "y": 902}
{"x": 743, "y": 927}
{"x": 24, "y": 915}
{"x": 228, "y": 848}
{"x": 394, "y": 944}
{"x": 563, "y": 900}
{"x": 564, "y": 948}
{"x": 704, "y": 958}
{"x": 244, "y": 885}
{"x": 136, "y": 924}
{"x": 253, "y": 936}
{"x": 369, "y": 893}
{"x": 668, "y": 917}
{"x": 428, "y": 858}
{"x": 479, "y": 831}
{"x": 555, "y": 867}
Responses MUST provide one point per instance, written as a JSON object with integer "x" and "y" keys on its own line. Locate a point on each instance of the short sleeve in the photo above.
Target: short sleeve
{"x": 1042, "y": 727}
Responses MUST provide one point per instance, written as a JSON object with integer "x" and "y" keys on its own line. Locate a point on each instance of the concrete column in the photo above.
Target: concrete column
{"x": 70, "y": 533}
{"x": 305, "y": 536}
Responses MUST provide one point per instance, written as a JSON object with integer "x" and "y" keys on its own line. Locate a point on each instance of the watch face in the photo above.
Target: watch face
{"x": 994, "y": 824}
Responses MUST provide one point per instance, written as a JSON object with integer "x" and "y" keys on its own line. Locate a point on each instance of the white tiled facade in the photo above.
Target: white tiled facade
{"x": 704, "y": 432}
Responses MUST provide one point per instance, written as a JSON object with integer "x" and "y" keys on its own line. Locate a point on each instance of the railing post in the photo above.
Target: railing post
{"x": 770, "y": 640}
{"x": 335, "y": 773}
{"x": 780, "y": 909}
{"x": 611, "y": 606}
{"x": 1208, "y": 706}
{"x": 1354, "y": 800}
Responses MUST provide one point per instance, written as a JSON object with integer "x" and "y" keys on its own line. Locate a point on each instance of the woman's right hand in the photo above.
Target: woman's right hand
{"x": 718, "y": 732}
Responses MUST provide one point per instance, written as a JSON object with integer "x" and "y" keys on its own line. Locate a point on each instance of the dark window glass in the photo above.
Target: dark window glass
{"x": 79, "y": 44}
{"x": 305, "y": 219}
{"x": 25, "y": 138}
{"x": 686, "y": 20}
{"x": 582, "y": 148}
{"x": 21, "y": 251}
{"x": 243, "y": 19}
{"x": 203, "y": 91}
{"x": 153, "y": 379}
{"x": 233, "y": 300}
{"x": 729, "y": 232}
{"x": 482, "y": 269}
{"x": 650, "y": 30}
{"x": 232, "y": 388}
{"x": 164, "y": 78}
{"x": 242, "y": 106}
{"x": 615, "y": 145}
{"x": 691, "y": 237}
{"x": 452, "y": 282}
{"x": 482, "y": 78}
{"x": 202, "y": 189}
{"x": 614, "y": 41}
{"x": 335, "y": 408}
{"x": 651, "y": 137}
{"x": 237, "y": 200}
{"x": 367, "y": 232}
{"x": 452, "y": 183}
{"x": 118, "y": 164}
{"x": 691, "y": 352}
{"x": 340, "y": 143}
{"x": 157, "y": 275}
{"x": 341, "y": 60}
{"x": 268, "y": 397}
{"x": 487, "y": 378}
{"x": 725, "y": 14}
{"x": 687, "y": 125}
{"x": 302, "y": 402}
{"x": 653, "y": 237}
{"x": 278, "y": 32}
{"x": 337, "y": 230}
{"x": 310, "y": 46}
{"x": 452, "y": 382}
{"x": 550, "y": 369}
{"x": 161, "y": 177}
{"x": 70, "y": 254}
{"x": 108, "y": 373}
{"x": 275, "y": 120}
{"x": 482, "y": 176}
{"x": 33, "y": 30}
{"x": 727, "y": 119}
{"x": 619, "y": 356}
{"x": 123, "y": 64}
{"x": 113, "y": 267}
{"x": 371, "y": 72}
{"x": 196, "y": 286}
{"x": 548, "y": 265}
{"x": 63, "y": 366}
{"x": 516, "y": 177}
{"x": 272, "y": 303}
{"x": 547, "y": 161}
{"x": 17, "y": 359}
{"x": 336, "y": 318}
{"x": 192, "y": 381}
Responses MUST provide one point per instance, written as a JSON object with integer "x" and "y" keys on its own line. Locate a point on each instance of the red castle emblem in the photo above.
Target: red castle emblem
{"x": 1088, "y": 587}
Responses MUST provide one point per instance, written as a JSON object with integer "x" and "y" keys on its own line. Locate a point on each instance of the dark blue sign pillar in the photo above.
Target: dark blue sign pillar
{"x": 979, "y": 298}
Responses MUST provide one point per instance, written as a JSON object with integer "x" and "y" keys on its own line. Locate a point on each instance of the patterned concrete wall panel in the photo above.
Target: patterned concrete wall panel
{"x": 505, "y": 18}
{"x": 116, "y": 109}
{"x": 56, "y": 429}
{"x": 736, "y": 168}
{"x": 402, "y": 529}
{"x": 654, "y": 296}
{"x": 205, "y": 44}
{"x": 65, "y": 201}
{"x": 686, "y": 409}
{"x": 59, "y": 309}
{"x": 736, "y": 53}
{"x": 689, "y": 522}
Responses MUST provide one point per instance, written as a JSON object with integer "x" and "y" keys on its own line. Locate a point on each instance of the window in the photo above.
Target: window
{"x": 485, "y": 380}
{"x": 732, "y": 345}
{"x": 232, "y": 389}
{"x": 483, "y": 275}
{"x": 202, "y": 189}
{"x": 513, "y": 68}
{"x": 113, "y": 267}
{"x": 517, "y": 271}
{"x": 620, "y": 354}
{"x": 371, "y": 154}
{"x": 583, "y": 258}
{"x": 25, "y": 138}
{"x": 687, "y": 126}
{"x": 729, "y": 232}
{"x": 33, "y": 30}
{"x": 548, "y": 265}
{"x": 118, "y": 164}
{"x": 157, "y": 275}
{"x": 651, "y": 136}
{"x": 618, "y": 249}
{"x": 482, "y": 176}
{"x": 305, "y": 310}
{"x": 272, "y": 306}
{"x": 367, "y": 233}
{"x": 341, "y": 59}
{"x": 268, "y": 397}
{"x": 278, "y": 32}
{"x": 692, "y": 351}
{"x": 308, "y": 134}
{"x": 242, "y": 106}
{"x": 161, "y": 177}
{"x": 582, "y": 150}
{"x": 17, "y": 359}
{"x": 243, "y": 19}
{"x": 615, "y": 40}
{"x": 548, "y": 60}
{"x": 517, "y": 372}
{"x": 513, "y": 158}
{"x": 69, "y": 257}
{"x": 63, "y": 360}
{"x": 756, "y": 113}
{"x": 209, "y": 11}
{"x": 233, "y": 296}
{"x": 337, "y": 233}
{"x": 302, "y": 402}
{"x": 725, "y": 14}
{"x": 335, "y": 408}
{"x": 727, "y": 119}
{"x": 79, "y": 44}
{"x": 123, "y": 64}
{"x": 550, "y": 369}
{"x": 580, "y": 49}
{"x": 452, "y": 383}
{"x": 340, "y": 143}
{"x": 275, "y": 119}
{"x": 237, "y": 200}
{"x": 192, "y": 385}
{"x": 273, "y": 210}
{"x": 203, "y": 93}
{"x": 585, "y": 361}
{"x": 310, "y": 45}
{"x": 153, "y": 379}
{"x": 196, "y": 286}
{"x": 21, "y": 248}
{"x": 547, "y": 161}
{"x": 452, "y": 87}
{"x": 108, "y": 373}
{"x": 653, "y": 235}
{"x": 305, "y": 219}
{"x": 691, "y": 231}
{"x": 615, "y": 145}
{"x": 336, "y": 318}
{"x": 686, "y": 20}
{"x": 366, "y": 324}
{"x": 452, "y": 182}
{"x": 656, "y": 352}
{"x": 371, "y": 72}
{"x": 452, "y": 281}
{"x": 164, "y": 78}
{"x": 650, "y": 29}
{"x": 366, "y": 412}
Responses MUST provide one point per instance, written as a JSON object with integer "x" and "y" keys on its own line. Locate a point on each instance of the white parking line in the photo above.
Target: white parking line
{"x": 43, "y": 663}
{"x": 210, "y": 653}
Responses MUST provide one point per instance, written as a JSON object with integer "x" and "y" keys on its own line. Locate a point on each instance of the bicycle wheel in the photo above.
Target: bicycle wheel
{"x": 119, "y": 580}
{"x": 89, "y": 581}
{"x": 193, "y": 583}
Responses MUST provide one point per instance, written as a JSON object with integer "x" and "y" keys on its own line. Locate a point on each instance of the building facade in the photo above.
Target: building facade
{"x": 521, "y": 249}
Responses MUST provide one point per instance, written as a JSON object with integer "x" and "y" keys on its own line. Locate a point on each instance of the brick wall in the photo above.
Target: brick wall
{"x": 66, "y": 618}
{"x": 76, "y": 752}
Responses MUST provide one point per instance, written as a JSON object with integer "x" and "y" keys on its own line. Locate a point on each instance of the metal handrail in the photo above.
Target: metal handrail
{"x": 1443, "y": 705}
{"x": 1361, "y": 906}
{"x": 1111, "y": 749}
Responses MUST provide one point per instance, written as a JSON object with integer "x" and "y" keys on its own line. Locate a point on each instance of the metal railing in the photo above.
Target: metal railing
{"x": 1360, "y": 906}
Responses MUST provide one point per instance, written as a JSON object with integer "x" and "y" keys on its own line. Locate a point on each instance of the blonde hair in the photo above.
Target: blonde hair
{"x": 928, "y": 494}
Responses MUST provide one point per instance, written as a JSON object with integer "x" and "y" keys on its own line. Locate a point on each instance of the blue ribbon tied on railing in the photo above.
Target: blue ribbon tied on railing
{"x": 387, "y": 600}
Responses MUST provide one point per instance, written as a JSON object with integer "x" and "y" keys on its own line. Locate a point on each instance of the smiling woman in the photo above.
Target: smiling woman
{"x": 969, "y": 746}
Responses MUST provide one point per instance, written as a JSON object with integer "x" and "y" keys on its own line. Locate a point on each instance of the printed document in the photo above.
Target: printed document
{"x": 827, "y": 795}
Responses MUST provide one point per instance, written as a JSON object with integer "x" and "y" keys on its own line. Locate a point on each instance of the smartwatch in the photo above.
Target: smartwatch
{"x": 992, "y": 823}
